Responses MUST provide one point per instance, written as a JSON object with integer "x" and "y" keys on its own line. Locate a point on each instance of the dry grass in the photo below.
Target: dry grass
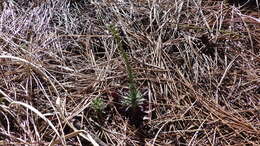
{"x": 196, "y": 64}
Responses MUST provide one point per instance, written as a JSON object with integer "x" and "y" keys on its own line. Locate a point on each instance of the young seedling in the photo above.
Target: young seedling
{"x": 98, "y": 105}
{"x": 134, "y": 98}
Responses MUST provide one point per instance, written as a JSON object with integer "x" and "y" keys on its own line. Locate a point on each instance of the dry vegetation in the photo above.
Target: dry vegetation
{"x": 62, "y": 79}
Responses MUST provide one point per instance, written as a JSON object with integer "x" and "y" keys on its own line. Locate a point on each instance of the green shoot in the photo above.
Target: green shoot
{"x": 98, "y": 105}
{"x": 134, "y": 98}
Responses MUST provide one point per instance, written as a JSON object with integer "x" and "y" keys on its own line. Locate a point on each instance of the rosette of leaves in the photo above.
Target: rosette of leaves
{"x": 98, "y": 105}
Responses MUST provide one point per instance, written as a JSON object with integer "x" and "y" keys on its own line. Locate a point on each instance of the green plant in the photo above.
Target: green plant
{"x": 98, "y": 105}
{"x": 134, "y": 98}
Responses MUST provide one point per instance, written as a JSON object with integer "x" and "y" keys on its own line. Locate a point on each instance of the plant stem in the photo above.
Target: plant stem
{"x": 132, "y": 85}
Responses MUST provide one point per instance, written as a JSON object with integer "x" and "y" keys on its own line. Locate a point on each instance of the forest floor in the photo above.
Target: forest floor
{"x": 195, "y": 65}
